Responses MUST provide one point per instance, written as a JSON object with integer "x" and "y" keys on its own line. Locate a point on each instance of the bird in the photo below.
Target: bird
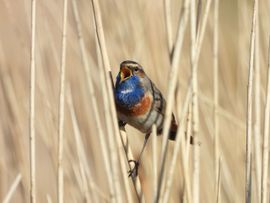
{"x": 140, "y": 104}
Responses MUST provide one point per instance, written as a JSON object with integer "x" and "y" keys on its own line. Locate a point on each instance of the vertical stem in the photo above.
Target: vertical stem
{"x": 129, "y": 156}
{"x": 249, "y": 107}
{"x": 12, "y": 188}
{"x": 218, "y": 181}
{"x": 215, "y": 73}
{"x": 169, "y": 178}
{"x": 80, "y": 148}
{"x": 32, "y": 135}
{"x": 189, "y": 136}
{"x": 171, "y": 90}
{"x": 109, "y": 91}
{"x": 257, "y": 117}
{"x": 266, "y": 136}
{"x": 154, "y": 155}
{"x": 60, "y": 183}
{"x": 195, "y": 110}
{"x": 167, "y": 13}
{"x": 91, "y": 90}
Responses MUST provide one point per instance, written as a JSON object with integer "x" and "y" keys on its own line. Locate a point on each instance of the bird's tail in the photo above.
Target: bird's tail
{"x": 173, "y": 132}
{"x": 173, "y": 129}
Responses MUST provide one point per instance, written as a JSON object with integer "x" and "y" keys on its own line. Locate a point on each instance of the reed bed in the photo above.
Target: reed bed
{"x": 60, "y": 140}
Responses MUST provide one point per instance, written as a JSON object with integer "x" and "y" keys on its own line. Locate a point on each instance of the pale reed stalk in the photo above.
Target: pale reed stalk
{"x": 249, "y": 108}
{"x": 154, "y": 159}
{"x": 167, "y": 14}
{"x": 181, "y": 115}
{"x": 80, "y": 177}
{"x": 185, "y": 155}
{"x": 195, "y": 48}
{"x": 109, "y": 90}
{"x": 216, "y": 94}
{"x": 189, "y": 132}
{"x": 200, "y": 34}
{"x": 195, "y": 53}
{"x": 91, "y": 91}
{"x": 32, "y": 135}
{"x": 60, "y": 172}
{"x": 257, "y": 116}
{"x": 129, "y": 156}
{"x": 264, "y": 188}
{"x": 195, "y": 109}
{"x": 124, "y": 167}
{"x": 170, "y": 96}
{"x": 84, "y": 167}
{"x": 112, "y": 145}
{"x": 12, "y": 189}
{"x": 218, "y": 181}
{"x": 220, "y": 110}
{"x": 49, "y": 199}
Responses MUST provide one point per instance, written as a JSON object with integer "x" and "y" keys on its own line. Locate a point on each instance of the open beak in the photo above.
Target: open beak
{"x": 125, "y": 73}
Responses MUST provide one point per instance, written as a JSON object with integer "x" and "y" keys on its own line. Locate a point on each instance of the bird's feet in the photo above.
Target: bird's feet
{"x": 134, "y": 171}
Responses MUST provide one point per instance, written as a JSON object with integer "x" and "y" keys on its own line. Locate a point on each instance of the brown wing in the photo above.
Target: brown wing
{"x": 160, "y": 106}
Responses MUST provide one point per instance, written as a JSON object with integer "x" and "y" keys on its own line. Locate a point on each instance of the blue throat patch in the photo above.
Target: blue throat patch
{"x": 129, "y": 92}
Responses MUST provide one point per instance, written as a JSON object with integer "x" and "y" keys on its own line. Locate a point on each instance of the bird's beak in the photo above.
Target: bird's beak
{"x": 125, "y": 73}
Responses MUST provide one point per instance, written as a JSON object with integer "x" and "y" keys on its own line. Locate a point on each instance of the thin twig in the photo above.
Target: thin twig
{"x": 249, "y": 107}
{"x": 60, "y": 183}
{"x": 12, "y": 188}
{"x": 32, "y": 135}
{"x": 266, "y": 136}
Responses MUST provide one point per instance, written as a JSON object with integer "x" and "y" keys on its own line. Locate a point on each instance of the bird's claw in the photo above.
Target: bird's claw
{"x": 134, "y": 171}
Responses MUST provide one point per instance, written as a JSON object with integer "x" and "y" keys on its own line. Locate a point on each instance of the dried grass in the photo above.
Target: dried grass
{"x": 197, "y": 53}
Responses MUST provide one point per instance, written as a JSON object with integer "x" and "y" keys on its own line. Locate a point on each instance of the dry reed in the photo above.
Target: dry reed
{"x": 172, "y": 86}
{"x": 216, "y": 93}
{"x": 12, "y": 189}
{"x": 180, "y": 132}
{"x": 257, "y": 114}
{"x": 96, "y": 153}
{"x": 91, "y": 91}
{"x": 32, "y": 135}
{"x": 154, "y": 155}
{"x": 60, "y": 175}
{"x": 112, "y": 124}
{"x": 264, "y": 187}
{"x": 249, "y": 107}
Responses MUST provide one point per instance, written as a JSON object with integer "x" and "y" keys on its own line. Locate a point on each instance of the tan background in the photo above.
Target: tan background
{"x": 133, "y": 30}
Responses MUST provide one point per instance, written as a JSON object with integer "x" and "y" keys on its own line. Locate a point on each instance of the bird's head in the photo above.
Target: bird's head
{"x": 129, "y": 87}
{"x": 130, "y": 70}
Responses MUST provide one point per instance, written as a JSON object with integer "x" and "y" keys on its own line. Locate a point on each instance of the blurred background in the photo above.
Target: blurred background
{"x": 133, "y": 30}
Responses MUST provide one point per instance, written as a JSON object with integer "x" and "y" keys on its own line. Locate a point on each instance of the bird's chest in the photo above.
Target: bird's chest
{"x": 140, "y": 109}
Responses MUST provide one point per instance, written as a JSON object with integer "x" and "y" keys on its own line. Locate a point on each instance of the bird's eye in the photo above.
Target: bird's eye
{"x": 136, "y": 69}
